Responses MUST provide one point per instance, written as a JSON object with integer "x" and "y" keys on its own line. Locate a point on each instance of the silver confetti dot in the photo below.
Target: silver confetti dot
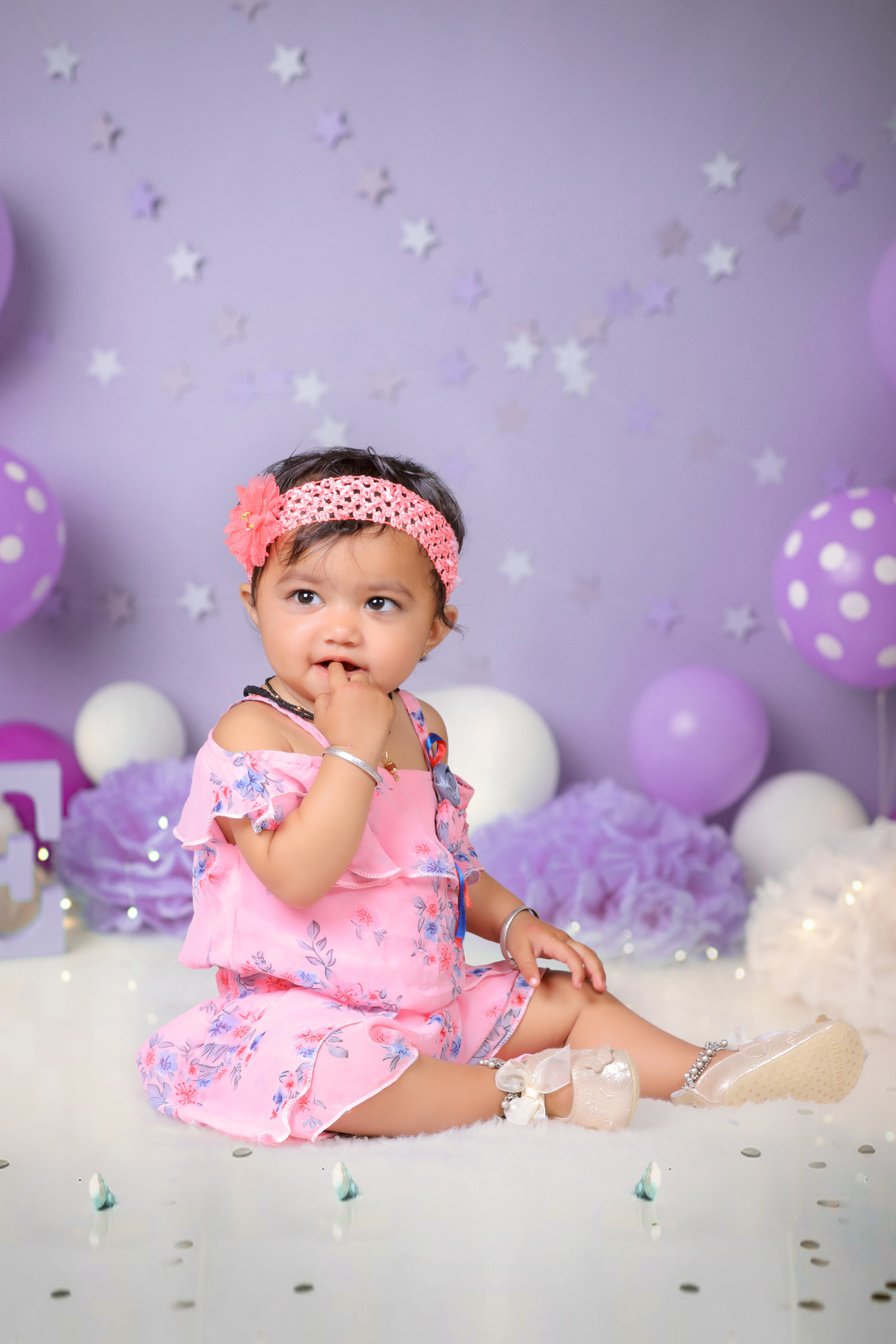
{"x": 818, "y": 1165}
{"x": 750, "y": 1152}
{"x": 242, "y": 1152}
{"x": 303, "y": 1288}
{"x": 829, "y": 1203}
{"x": 809, "y": 1245}
{"x": 61, "y": 1292}
{"x": 3, "y": 1162}
{"x": 689, "y": 1288}
{"x": 183, "y": 1304}
{"x": 811, "y": 1304}
{"x": 881, "y": 1297}
{"x": 182, "y": 1245}
{"x": 817, "y": 1260}
{"x": 867, "y": 1148}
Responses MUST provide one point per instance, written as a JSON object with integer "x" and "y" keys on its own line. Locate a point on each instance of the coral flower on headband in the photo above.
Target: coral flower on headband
{"x": 254, "y": 521}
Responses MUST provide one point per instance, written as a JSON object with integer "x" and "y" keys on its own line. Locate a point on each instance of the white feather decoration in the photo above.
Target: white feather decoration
{"x": 826, "y": 932}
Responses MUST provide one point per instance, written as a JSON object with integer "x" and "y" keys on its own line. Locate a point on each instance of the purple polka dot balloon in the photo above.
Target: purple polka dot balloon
{"x": 32, "y": 540}
{"x": 835, "y": 586}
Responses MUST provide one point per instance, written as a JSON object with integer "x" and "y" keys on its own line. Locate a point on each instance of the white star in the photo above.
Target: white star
{"x": 418, "y": 236}
{"x": 890, "y": 124}
{"x": 569, "y": 358}
{"x": 722, "y": 172}
{"x": 769, "y": 467}
{"x": 184, "y": 263}
{"x": 198, "y": 600}
{"x": 332, "y": 433}
{"x": 516, "y": 565}
{"x": 308, "y": 388}
{"x": 719, "y": 260}
{"x": 522, "y": 351}
{"x": 61, "y": 61}
{"x": 104, "y": 366}
{"x": 288, "y": 64}
{"x": 578, "y": 380}
{"x": 740, "y": 622}
{"x": 177, "y": 381}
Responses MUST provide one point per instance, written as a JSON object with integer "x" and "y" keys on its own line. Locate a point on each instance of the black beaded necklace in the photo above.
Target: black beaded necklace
{"x": 267, "y": 692}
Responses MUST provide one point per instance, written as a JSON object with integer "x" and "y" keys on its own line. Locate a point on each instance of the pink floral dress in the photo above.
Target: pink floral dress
{"x": 320, "y": 1008}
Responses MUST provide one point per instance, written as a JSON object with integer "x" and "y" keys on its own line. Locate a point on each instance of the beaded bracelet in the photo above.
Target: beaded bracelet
{"x": 354, "y": 760}
{"x": 502, "y": 936}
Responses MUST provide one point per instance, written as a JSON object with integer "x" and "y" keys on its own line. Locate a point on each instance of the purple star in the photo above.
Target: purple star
{"x": 455, "y": 368}
{"x": 673, "y": 238}
{"x": 469, "y": 289}
{"x": 836, "y": 477}
{"x": 622, "y": 300}
{"x": 276, "y": 382}
{"x": 331, "y": 127}
{"x": 843, "y": 173}
{"x": 657, "y": 298}
{"x": 145, "y": 201}
{"x": 784, "y": 218}
{"x": 664, "y": 616}
{"x": 641, "y": 417}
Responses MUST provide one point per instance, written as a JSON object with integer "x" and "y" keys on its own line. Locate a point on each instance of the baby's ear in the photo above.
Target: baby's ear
{"x": 246, "y": 595}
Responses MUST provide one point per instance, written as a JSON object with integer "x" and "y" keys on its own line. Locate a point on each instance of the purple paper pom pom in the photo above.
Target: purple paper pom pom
{"x": 117, "y": 851}
{"x": 626, "y": 869}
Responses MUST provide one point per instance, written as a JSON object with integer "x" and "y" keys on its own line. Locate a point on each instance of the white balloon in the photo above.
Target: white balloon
{"x": 786, "y": 816}
{"x": 123, "y": 722}
{"x": 501, "y": 746}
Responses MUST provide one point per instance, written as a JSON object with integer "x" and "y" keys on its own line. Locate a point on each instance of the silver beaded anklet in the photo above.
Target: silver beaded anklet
{"x": 710, "y": 1048}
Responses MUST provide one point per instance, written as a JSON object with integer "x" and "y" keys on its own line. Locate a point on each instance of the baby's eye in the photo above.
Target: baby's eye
{"x": 382, "y": 604}
{"x": 305, "y": 597}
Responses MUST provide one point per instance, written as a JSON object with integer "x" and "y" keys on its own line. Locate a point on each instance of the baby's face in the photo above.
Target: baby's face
{"x": 366, "y": 601}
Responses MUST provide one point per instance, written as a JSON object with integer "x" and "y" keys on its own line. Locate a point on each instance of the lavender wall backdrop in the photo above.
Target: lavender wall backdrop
{"x": 203, "y": 226}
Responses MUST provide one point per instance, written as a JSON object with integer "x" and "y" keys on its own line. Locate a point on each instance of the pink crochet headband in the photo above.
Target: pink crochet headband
{"x": 263, "y": 514}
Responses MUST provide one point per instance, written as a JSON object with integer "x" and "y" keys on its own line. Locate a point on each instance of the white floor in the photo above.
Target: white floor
{"x": 489, "y": 1233}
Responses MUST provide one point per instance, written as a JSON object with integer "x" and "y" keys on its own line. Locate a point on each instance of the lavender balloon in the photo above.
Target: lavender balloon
{"x": 835, "y": 586}
{"x": 7, "y": 254}
{"x": 32, "y": 540}
{"x": 698, "y": 737}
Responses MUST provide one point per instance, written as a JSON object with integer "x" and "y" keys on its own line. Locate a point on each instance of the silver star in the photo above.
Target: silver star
{"x": 569, "y": 357}
{"x": 105, "y": 132}
{"x": 722, "y": 172}
{"x": 332, "y": 433}
{"x": 61, "y": 61}
{"x": 769, "y": 467}
{"x": 522, "y": 351}
{"x": 288, "y": 64}
{"x": 673, "y": 238}
{"x": 418, "y": 236}
{"x": 578, "y": 381}
{"x": 740, "y": 622}
{"x": 184, "y": 263}
{"x": 231, "y": 326}
{"x": 104, "y": 366}
{"x": 308, "y": 388}
{"x": 516, "y": 566}
{"x": 374, "y": 184}
{"x": 719, "y": 260}
{"x": 197, "y": 600}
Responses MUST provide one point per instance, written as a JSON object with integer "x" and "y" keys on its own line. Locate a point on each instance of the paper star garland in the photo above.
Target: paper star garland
{"x": 522, "y": 351}
{"x": 843, "y": 173}
{"x": 784, "y": 218}
{"x": 105, "y": 132}
{"x": 516, "y": 566}
{"x": 197, "y": 600}
{"x": 469, "y": 290}
{"x": 61, "y": 61}
{"x": 332, "y": 433}
{"x": 144, "y": 201}
{"x": 722, "y": 172}
{"x": 386, "y": 385}
{"x": 288, "y": 64}
{"x": 673, "y": 238}
{"x": 104, "y": 366}
{"x": 455, "y": 368}
{"x": 664, "y": 616}
{"x": 591, "y": 329}
{"x": 417, "y": 236}
{"x": 331, "y": 127}
{"x": 569, "y": 356}
{"x": 769, "y": 467}
{"x": 308, "y": 388}
{"x": 740, "y": 622}
{"x": 118, "y": 606}
{"x": 177, "y": 381}
{"x": 578, "y": 381}
{"x": 719, "y": 260}
{"x": 185, "y": 263}
{"x": 231, "y": 326}
{"x": 657, "y": 298}
{"x": 375, "y": 183}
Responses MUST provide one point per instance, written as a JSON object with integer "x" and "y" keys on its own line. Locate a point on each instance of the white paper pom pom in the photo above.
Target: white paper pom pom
{"x": 826, "y": 932}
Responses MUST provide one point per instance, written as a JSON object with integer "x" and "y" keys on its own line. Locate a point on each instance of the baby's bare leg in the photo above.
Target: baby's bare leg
{"x": 431, "y": 1095}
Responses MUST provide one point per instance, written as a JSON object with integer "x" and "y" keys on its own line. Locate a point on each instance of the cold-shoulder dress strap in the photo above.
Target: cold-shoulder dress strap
{"x": 435, "y": 749}
{"x": 304, "y": 724}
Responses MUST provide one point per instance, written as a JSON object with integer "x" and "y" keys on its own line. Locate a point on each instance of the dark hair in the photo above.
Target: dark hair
{"x": 323, "y": 463}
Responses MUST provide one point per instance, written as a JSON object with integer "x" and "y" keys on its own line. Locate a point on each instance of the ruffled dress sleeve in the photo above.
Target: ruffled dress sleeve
{"x": 262, "y": 786}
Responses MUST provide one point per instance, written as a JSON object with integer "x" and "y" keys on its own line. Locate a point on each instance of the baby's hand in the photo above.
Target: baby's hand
{"x": 354, "y": 713}
{"x": 530, "y": 938}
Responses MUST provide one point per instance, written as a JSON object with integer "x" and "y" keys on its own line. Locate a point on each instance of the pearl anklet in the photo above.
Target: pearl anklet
{"x": 710, "y": 1048}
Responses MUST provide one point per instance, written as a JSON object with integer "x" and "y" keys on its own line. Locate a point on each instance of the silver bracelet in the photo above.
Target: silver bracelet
{"x": 354, "y": 760}
{"x": 502, "y": 936}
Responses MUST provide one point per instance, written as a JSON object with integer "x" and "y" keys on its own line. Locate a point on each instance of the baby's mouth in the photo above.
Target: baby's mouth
{"x": 341, "y": 662}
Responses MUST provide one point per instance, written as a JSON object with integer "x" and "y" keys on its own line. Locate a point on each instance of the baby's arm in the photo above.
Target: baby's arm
{"x": 300, "y": 861}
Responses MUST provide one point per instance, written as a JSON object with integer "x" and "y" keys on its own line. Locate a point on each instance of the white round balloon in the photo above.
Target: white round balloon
{"x": 124, "y": 722}
{"x": 500, "y": 745}
{"x": 786, "y": 816}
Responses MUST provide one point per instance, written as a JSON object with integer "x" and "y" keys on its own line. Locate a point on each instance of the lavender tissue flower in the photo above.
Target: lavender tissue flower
{"x": 624, "y": 868}
{"x": 117, "y": 851}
